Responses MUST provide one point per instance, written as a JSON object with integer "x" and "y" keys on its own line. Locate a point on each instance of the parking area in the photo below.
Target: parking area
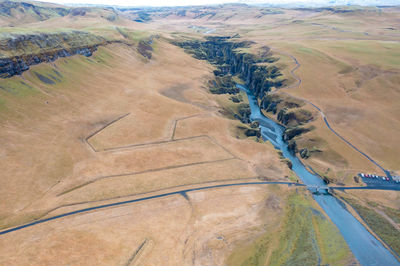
{"x": 377, "y": 180}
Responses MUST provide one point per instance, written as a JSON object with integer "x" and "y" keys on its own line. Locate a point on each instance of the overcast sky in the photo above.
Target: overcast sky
{"x": 208, "y": 2}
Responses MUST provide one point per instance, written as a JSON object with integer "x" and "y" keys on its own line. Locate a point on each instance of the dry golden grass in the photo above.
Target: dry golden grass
{"x": 385, "y": 198}
{"x": 54, "y": 121}
{"x": 47, "y": 161}
{"x": 349, "y": 68}
{"x": 178, "y": 230}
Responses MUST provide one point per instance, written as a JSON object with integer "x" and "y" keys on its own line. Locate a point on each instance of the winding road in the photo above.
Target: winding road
{"x": 324, "y": 117}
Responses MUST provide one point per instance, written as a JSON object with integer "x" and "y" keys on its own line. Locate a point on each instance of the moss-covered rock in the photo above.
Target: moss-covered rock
{"x": 19, "y": 51}
{"x": 294, "y": 117}
{"x": 226, "y": 55}
{"x": 304, "y": 153}
{"x": 243, "y": 113}
{"x": 223, "y": 84}
{"x": 292, "y": 132}
{"x": 145, "y": 48}
{"x": 292, "y": 146}
{"x": 255, "y": 124}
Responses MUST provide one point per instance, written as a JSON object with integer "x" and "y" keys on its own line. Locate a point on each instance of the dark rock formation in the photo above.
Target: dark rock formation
{"x": 294, "y": 117}
{"x": 255, "y": 124}
{"x": 235, "y": 99}
{"x": 292, "y": 146}
{"x": 16, "y": 65}
{"x": 49, "y": 47}
{"x": 145, "y": 48}
{"x": 292, "y": 132}
{"x": 259, "y": 76}
{"x": 223, "y": 84}
{"x": 244, "y": 112}
{"x": 250, "y": 132}
{"x": 270, "y": 102}
{"x": 78, "y": 12}
{"x": 304, "y": 153}
{"x": 225, "y": 54}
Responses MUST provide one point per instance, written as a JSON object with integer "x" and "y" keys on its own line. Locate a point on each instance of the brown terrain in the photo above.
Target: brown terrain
{"x": 136, "y": 119}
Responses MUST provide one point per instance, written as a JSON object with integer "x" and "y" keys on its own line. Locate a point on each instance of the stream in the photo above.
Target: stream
{"x": 365, "y": 247}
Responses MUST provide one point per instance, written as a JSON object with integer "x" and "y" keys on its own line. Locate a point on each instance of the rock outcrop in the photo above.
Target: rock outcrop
{"x": 230, "y": 60}
{"x": 260, "y": 75}
{"x": 18, "y": 52}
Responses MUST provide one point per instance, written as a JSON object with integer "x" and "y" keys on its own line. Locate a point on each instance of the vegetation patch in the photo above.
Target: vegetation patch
{"x": 305, "y": 237}
{"x": 235, "y": 106}
{"x": 245, "y": 131}
{"x": 20, "y": 51}
{"x": 382, "y": 227}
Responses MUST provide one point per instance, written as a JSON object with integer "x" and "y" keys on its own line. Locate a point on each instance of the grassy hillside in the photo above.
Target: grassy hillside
{"x": 19, "y": 12}
{"x": 102, "y": 108}
{"x": 305, "y": 237}
{"x": 348, "y": 65}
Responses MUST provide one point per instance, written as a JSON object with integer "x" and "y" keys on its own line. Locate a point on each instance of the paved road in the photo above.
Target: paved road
{"x": 141, "y": 199}
{"x": 392, "y": 188}
{"x": 181, "y": 192}
{"x": 297, "y": 84}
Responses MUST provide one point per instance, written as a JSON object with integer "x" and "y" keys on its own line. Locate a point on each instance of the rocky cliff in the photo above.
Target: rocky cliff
{"x": 19, "y": 51}
{"x": 260, "y": 76}
{"x": 225, "y": 54}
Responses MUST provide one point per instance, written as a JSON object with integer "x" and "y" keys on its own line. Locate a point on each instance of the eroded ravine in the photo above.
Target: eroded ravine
{"x": 365, "y": 247}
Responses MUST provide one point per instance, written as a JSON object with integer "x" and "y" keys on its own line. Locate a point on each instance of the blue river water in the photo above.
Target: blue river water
{"x": 365, "y": 247}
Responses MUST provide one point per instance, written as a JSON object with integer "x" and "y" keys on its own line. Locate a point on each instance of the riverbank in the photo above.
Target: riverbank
{"x": 356, "y": 235}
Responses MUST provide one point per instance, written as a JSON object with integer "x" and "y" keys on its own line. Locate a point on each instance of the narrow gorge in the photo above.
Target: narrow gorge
{"x": 259, "y": 73}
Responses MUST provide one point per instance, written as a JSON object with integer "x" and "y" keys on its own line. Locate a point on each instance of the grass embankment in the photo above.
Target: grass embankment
{"x": 381, "y": 226}
{"x": 305, "y": 237}
{"x": 236, "y": 106}
{"x": 37, "y": 43}
{"x": 393, "y": 214}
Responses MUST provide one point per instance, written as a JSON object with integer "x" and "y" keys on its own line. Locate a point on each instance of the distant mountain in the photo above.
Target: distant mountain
{"x": 321, "y": 3}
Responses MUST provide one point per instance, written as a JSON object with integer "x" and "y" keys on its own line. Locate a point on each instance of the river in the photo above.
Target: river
{"x": 365, "y": 247}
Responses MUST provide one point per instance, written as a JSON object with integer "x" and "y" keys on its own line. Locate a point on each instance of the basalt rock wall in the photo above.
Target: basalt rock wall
{"x": 260, "y": 75}
{"x": 229, "y": 59}
{"x": 19, "y": 52}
